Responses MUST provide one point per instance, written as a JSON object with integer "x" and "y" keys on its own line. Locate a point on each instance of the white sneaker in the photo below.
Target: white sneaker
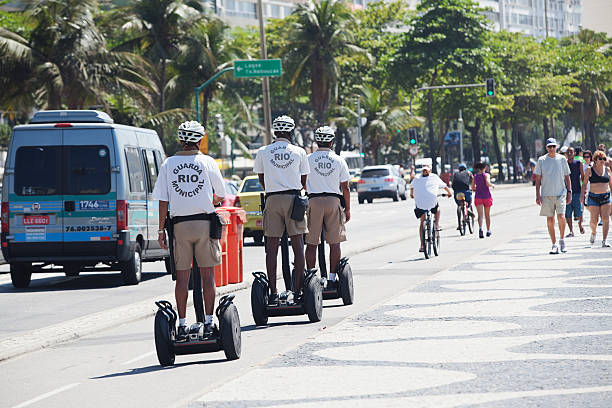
{"x": 604, "y": 244}
{"x": 592, "y": 240}
{"x": 562, "y": 244}
{"x": 554, "y": 250}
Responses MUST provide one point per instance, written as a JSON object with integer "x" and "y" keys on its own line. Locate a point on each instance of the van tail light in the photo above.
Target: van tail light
{"x": 361, "y": 181}
{"x": 389, "y": 179}
{"x": 5, "y": 217}
{"x": 237, "y": 202}
{"x": 122, "y": 215}
{"x": 63, "y": 125}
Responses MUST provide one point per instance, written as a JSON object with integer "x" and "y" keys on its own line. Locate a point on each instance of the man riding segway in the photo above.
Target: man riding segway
{"x": 185, "y": 187}
{"x": 329, "y": 208}
{"x": 282, "y": 169}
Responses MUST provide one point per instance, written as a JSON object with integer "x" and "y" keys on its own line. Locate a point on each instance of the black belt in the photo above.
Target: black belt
{"x": 288, "y": 192}
{"x": 338, "y": 196}
{"x": 193, "y": 217}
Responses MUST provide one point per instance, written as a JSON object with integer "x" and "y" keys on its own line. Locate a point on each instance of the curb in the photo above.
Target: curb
{"x": 82, "y": 326}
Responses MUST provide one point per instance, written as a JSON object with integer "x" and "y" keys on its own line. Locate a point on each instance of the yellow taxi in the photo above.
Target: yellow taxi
{"x": 249, "y": 196}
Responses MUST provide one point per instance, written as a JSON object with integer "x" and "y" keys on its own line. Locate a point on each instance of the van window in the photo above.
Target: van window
{"x": 152, "y": 166}
{"x": 135, "y": 172}
{"x": 87, "y": 170}
{"x": 38, "y": 170}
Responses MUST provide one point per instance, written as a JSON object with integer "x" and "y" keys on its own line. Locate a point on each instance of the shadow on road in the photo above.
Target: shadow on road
{"x": 154, "y": 368}
{"x": 84, "y": 281}
{"x": 252, "y": 327}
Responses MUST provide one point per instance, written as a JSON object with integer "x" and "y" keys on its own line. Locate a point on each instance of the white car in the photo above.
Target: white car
{"x": 380, "y": 182}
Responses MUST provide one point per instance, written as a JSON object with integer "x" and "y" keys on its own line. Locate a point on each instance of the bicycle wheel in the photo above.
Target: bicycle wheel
{"x": 461, "y": 219}
{"x": 425, "y": 239}
{"x": 470, "y": 222}
{"x": 435, "y": 239}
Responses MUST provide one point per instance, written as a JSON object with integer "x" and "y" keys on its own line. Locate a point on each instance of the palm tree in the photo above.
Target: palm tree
{"x": 383, "y": 119}
{"x": 63, "y": 63}
{"x": 321, "y": 33}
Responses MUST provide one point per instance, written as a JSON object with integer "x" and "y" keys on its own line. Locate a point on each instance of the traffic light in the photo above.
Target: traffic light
{"x": 412, "y": 134}
{"x": 490, "y": 87}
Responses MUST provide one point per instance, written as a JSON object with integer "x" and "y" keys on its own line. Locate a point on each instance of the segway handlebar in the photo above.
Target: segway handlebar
{"x": 169, "y": 226}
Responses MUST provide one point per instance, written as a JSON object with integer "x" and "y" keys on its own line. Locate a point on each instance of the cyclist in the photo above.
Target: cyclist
{"x": 329, "y": 200}
{"x": 462, "y": 180}
{"x": 282, "y": 168}
{"x": 424, "y": 189}
{"x": 185, "y": 185}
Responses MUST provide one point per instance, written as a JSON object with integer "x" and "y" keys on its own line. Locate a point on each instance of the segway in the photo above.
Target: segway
{"x": 343, "y": 286}
{"x": 226, "y": 338}
{"x": 312, "y": 304}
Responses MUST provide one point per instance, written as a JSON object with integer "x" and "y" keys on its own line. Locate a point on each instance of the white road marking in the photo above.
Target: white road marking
{"x": 145, "y": 355}
{"x": 46, "y": 395}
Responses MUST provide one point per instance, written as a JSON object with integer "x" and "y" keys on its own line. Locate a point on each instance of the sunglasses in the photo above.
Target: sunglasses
{"x": 601, "y": 158}
{"x": 551, "y": 146}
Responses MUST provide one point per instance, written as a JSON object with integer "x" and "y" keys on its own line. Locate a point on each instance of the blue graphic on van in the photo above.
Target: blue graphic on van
{"x": 93, "y": 205}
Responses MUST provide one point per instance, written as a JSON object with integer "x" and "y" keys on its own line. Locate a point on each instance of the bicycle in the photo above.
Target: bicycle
{"x": 430, "y": 236}
{"x": 463, "y": 218}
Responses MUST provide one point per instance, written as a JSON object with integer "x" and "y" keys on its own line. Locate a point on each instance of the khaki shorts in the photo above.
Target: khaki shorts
{"x": 192, "y": 238}
{"x": 277, "y": 217}
{"x": 552, "y": 204}
{"x": 325, "y": 213}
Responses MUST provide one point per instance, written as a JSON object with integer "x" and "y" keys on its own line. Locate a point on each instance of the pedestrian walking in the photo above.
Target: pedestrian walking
{"x": 282, "y": 168}
{"x": 329, "y": 201}
{"x": 575, "y": 207}
{"x": 189, "y": 185}
{"x": 553, "y": 191}
{"x": 481, "y": 184}
{"x": 598, "y": 198}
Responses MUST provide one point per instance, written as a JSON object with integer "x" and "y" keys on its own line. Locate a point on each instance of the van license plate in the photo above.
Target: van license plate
{"x": 93, "y": 205}
{"x": 35, "y": 220}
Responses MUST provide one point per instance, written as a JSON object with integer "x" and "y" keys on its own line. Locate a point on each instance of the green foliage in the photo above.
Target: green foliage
{"x": 5, "y": 135}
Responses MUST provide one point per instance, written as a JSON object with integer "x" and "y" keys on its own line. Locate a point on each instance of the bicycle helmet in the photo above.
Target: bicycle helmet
{"x": 191, "y": 131}
{"x": 324, "y": 134}
{"x": 283, "y": 124}
{"x": 462, "y": 167}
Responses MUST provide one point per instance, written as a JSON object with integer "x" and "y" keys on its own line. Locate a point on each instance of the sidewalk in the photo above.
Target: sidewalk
{"x": 517, "y": 328}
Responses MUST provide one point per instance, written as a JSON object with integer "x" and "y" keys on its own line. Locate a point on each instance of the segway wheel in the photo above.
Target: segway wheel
{"x": 313, "y": 299}
{"x": 229, "y": 328}
{"x": 259, "y": 300}
{"x": 163, "y": 341}
{"x": 345, "y": 278}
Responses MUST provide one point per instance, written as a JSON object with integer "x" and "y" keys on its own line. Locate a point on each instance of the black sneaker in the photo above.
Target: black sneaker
{"x": 210, "y": 329}
{"x": 488, "y": 233}
{"x": 298, "y": 298}
{"x": 181, "y": 333}
{"x": 273, "y": 299}
{"x": 331, "y": 285}
{"x": 480, "y": 234}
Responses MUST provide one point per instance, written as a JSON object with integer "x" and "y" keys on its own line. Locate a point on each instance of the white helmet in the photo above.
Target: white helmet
{"x": 283, "y": 124}
{"x": 191, "y": 131}
{"x": 324, "y": 134}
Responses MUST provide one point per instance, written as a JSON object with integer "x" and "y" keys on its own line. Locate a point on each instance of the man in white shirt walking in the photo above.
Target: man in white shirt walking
{"x": 282, "y": 169}
{"x": 424, "y": 189}
{"x": 329, "y": 205}
{"x": 553, "y": 191}
{"x": 185, "y": 186}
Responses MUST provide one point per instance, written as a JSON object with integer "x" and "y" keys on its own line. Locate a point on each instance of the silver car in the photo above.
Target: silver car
{"x": 379, "y": 182}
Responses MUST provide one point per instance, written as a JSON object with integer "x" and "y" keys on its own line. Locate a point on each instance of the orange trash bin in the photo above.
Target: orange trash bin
{"x": 234, "y": 244}
{"x": 221, "y": 271}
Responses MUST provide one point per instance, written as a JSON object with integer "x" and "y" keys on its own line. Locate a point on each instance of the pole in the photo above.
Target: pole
{"x": 232, "y": 153}
{"x": 200, "y": 88}
{"x": 460, "y": 137}
{"x": 265, "y": 83}
{"x": 546, "y": 16}
{"x": 359, "y": 125}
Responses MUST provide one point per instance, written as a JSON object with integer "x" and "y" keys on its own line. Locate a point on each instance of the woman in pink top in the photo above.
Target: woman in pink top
{"x": 483, "y": 200}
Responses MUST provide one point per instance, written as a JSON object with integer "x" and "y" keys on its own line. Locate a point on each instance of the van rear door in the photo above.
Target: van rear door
{"x": 35, "y": 198}
{"x": 89, "y": 201}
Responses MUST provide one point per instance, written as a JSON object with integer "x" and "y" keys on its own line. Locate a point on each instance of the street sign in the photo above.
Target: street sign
{"x": 414, "y": 150}
{"x": 257, "y": 68}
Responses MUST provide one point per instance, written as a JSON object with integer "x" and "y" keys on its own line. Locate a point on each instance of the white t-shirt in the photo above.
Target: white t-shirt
{"x": 282, "y": 165}
{"x": 553, "y": 171}
{"x": 426, "y": 190}
{"x": 328, "y": 170}
{"x": 187, "y": 181}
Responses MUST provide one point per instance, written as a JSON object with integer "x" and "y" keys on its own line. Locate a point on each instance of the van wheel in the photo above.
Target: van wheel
{"x": 396, "y": 196}
{"x": 361, "y": 200}
{"x": 21, "y": 274}
{"x": 131, "y": 270}
{"x": 72, "y": 270}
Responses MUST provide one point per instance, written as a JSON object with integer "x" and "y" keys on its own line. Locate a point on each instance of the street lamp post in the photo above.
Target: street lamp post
{"x": 460, "y": 120}
{"x": 359, "y": 126}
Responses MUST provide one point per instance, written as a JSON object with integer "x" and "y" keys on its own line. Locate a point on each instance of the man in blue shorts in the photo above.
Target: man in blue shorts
{"x": 575, "y": 206}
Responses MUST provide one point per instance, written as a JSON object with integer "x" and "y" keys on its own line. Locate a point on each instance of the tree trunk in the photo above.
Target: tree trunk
{"x": 545, "y": 127}
{"x": 514, "y": 158}
{"x": 162, "y": 99}
{"x": 524, "y": 148}
{"x": 591, "y": 133}
{"x": 475, "y": 136}
{"x": 443, "y": 128}
{"x": 498, "y": 154}
{"x": 319, "y": 89}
